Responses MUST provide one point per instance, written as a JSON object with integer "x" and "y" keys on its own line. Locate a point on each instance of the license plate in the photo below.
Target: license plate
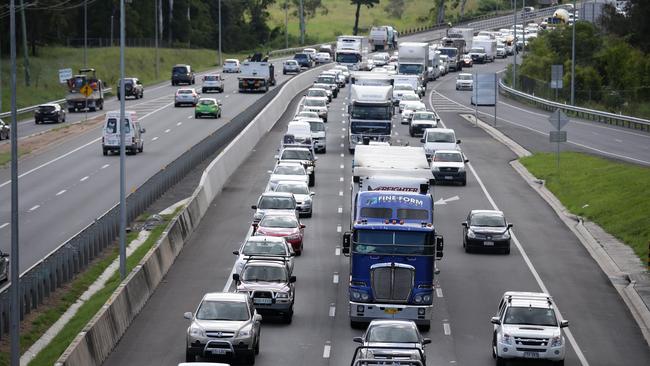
{"x": 488, "y": 243}
{"x": 262, "y": 301}
{"x": 218, "y": 351}
{"x": 391, "y": 311}
{"x": 449, "y": 177}
{"x": 531, "y": 354}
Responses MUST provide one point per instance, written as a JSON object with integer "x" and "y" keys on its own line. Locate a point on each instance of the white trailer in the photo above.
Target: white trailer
{"x": 488, "y": 44}
{"x": 256, "y": 76}
{"x": 466, "y": 33}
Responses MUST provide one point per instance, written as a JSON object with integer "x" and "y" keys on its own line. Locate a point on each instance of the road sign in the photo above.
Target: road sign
{"x": 557, "y": 136}
{"x": 64, "y": 75}
{"x": 484, "y": 89}
{"x": 556, "y": 76}
{"x": 558, "y": 119}
{"x": 86, "y": 90}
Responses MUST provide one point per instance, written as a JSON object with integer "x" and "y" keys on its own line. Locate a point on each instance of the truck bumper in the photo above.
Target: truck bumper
{"x": 365, "y": 312}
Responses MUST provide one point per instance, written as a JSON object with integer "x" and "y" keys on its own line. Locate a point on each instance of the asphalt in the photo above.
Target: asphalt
{"x": 547, "y": 256}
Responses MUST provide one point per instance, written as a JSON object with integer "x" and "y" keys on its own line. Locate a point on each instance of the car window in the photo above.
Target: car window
{"x": 448, "y": 157}
{"x": 180, "y": 70}
{"x": 111, "y": 126}
{"x": 316, "y": 126}
{"x": 410, "y": 97}
{"x": 289, "y": 170}
{"x": 46, "y": 108}
{"x": 315, "y": 103}
{"x": 530, "y": 316}
{"x": 316, "y": 93}
{"x": 296, "y": 155}
{"x": 211, "y": 78}
{"x": 264, "y": 247}
{"x": 223, "y": 310}
{"x": 292, "y": 188}
{"x": 488, "y": 220}
{"x": 277, "y": 203}
{"x": 263, "y": 273}
{"x": 207, "y": 102}
{"x": 184, "y": 91}
{"x": 279, "y": 221}
{"x": 437, "y": 136}
{"x": 392, "y": 333}
{"x": 425, "y": 116}
{"x": 402, "y": 87}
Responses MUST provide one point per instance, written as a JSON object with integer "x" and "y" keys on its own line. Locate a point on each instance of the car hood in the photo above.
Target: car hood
{"x": 220, "y": 325}
{"x": 277, "y": 231}
{"x": 280, "y": 177}
{"x": 206, "y": 107}
{"x": 394, "y": 353}
{"x": 533, "y": 331}
{"x": 262, "y": 211}
{"x": 449, "y": 164}
{"x": 424, "y": 122}
{"x": 301, "y": 197}
{"x": 303, "y": 162}
{"x": 262, "y": 286}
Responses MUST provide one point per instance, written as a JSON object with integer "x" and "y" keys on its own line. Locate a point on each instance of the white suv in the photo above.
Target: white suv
{"x": 527, "y": 326}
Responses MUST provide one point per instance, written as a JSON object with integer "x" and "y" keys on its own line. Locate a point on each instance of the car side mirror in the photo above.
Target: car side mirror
{"x": 458, "y": 141}
{"x": 143, "y": 130}
{"x": 312, "y": 193}
{"x": 235, "y": 252}
{"x": 316, "y": 158}
{"x": 4, "y": 255}
{"x": 422, "y": 140}
{"x": 440, "y": 246}
{"x": 235, "y": 277}
{"x": 292, "y": 279}
{"x": 188, "y": 315}
{"x": 269, "y": 171}
{"x": 495, "y": 320}
{"x": 464, "y": 223}
{"x": 258, "y": 318}
{"x": 302, "y": 226}
{"x": 347, "y": 239}
{"x": 509, "y": 226}
{"x": 357, "y": 340}
{"x": 564, "y": 323}
{"x": 467, "y": 160}
{"x": 276, "y": 156}
{"x": 426, "y": 341}
{"x": 254, "y": 207}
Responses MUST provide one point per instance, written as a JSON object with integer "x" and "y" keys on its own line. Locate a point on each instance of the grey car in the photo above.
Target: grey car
{"x": 269, "y": 284}
{"x": 290, "y": 66}
{"x": 225, "y": 324}
{"x": 302, "y": 194}
{"x": 394, "y": 339}
{"x": 264, "y": 246}
{"x": 274, "y": 201}
{"x": 186, "y": 96}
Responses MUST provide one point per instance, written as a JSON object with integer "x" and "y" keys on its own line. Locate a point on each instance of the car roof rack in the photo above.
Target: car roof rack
{"x": 268, "y": 257}
{"x": 548, "y": 298}
{"x": 361, "y": 361}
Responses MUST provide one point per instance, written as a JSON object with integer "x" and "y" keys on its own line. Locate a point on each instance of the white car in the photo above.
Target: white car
{"x": 449, "y": 166}
{"x": 327, "y": 88}
{"x": 380, "y": 59}
{"x": 322, "y": 58}
{"x": 231, "y": 65}
{"x": 409, "y": 109}
{"x": 287, "y": 172}
{"x": 464, "y": 81}
{"x": 318, "y": 105}
{"x": 318, "y": 93}
{"x": 344, "y": 70}
{"x": 318, "y": 133}
{"x": 301, "y": 193}
{"x": 212, "y": 82}
{"x": 306, "y": 114}
{"x": 399, "y": 90}
{"x": 265, "y": 246}
{"x": 530, "y": 319}
{"x": 439, "y": 139}
{"x": 422, "y": 120}
{"x": 407, "y": 98}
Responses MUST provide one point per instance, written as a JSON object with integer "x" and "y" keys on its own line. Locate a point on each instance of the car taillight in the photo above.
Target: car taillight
{"x": 133, "y": 140}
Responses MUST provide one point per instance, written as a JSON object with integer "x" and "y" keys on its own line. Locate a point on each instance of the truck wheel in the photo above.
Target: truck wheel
{"x": 189, "y": 357}
{"x": 356, "y": 325}
{"x": 105, "y": 152}
{"x": 93, "y": 109}
{"x": 312, "y": 179}
{"x": 501, "y": 361}
{"x": 101, "y": 106}
{"x": 71, "y": 110}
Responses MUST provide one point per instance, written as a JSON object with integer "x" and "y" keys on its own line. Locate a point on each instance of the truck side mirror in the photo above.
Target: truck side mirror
{"x": 357, "y": 340}
{"x": 458, "y": 142}
{"x": 292, "y": 279}
{"x": 235, "y": 277}
{"x": 440, "y": 246}
{"x": 422, "y": 140}
{"x": 347, "y": 239}
{"x": 509, "y": 226}
{"x": 464, "y": 223}
{"x": 495, "y": 320}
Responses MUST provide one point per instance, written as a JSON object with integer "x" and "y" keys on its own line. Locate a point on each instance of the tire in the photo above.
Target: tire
{"x": 71, "y": 110}
{"x": 196, "y": 116}
{"x": 203, "y": 90}
{"x": 467, "y": 249}
{"x": 36, "y": 121}
{"x": 506, "y": 251}
{"x": 176, "y": 104}
{"x": 312, "y": 179}
{"x": 324, "y": 150}
{"x": 105, "y": 152}
{"x": 189, "y": 357}
{"x": 463, "y": 182}
{"x": 249, "y": 358}
{"x": 308, "y": 215}
{"x": 257, "y": 345}
{"x": 93, "y": 109}
{"x": 284, "y": 72}
{"x": 288, "y": 316}
{"x": 500, "y": 361}
{"x": 101, "y": 106}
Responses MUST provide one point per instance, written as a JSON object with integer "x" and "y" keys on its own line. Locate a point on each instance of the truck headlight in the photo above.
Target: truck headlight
{"x": 282, "y": 295}
{"x": 556, "y": 341}
{"x": 196, "y": 331}
{"x": 506, "y": 338}
{"x": 423, "y": 299}
{"x": 359, "y": 295}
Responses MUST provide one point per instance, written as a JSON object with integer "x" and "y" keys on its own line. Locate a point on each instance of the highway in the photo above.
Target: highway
{"x": 546, "y": 256}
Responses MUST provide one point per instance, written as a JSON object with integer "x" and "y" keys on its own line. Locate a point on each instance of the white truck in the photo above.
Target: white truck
{"x": 466, "y": 33}
{"x": 411, "y": 80}
{"x": 433, "y": 71}
{"x": 413, "y": 59}
{"x": 256, "y": 75}
{"x": 370, "y": 114}
{"x": 349, "y": 51}
{"x": 489, "y": 46}
{"x": 382, "y": 38}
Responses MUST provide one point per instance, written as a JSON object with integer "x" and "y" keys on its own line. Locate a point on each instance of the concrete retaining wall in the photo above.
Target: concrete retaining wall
{"x": 96, "y": 341}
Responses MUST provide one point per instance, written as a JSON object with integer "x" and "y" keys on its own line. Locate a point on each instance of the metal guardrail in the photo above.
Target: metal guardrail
{"x": 634, "y": 123}
{"x": 32, "y": 108}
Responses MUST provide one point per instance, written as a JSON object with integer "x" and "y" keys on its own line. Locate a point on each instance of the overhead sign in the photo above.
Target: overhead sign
{"x": 86, "y": 90}
{"x": 557, "y": 71}
{"x": 558, "y": 119}
{"x": 64, "y": 75}
{"x": 558, "y": 136}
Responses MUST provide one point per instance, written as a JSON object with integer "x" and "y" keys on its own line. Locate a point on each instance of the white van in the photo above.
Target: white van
{"x": 134, "y": 143}
{"x": 318, "y": 134}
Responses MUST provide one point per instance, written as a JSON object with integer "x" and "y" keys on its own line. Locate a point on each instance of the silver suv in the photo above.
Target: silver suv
{"x": 226, "y": 325}
{"x": 270, "y": 285}
{"x": 527, "y": 326}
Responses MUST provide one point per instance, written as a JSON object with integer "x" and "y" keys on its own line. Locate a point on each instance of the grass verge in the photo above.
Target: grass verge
{"x": 612, "y": 194}
{"x": 5, "y": 157}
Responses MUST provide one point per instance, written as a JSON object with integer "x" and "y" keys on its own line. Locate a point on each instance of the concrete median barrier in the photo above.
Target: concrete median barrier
{"x": 96, "y": 341}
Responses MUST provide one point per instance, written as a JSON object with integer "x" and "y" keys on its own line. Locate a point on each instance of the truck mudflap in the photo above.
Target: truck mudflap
{"x": 253, "y": 84}
{"x": 365, "y": 312}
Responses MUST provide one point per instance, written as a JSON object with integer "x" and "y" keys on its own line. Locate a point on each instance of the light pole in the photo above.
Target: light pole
{"x": 15, "y": 273}
{"x": 514, "y": 60}
{"x": 122, "y": 149}
{"x": 24, "y": 37}
{"x": 302, "y": 24}
{"x": 86, "y": 32}
{"x": 220, "y": 54}
{"x": 573, "y": 56}
{"x": 286, "y": 24}
{"x": 155, "y": 29}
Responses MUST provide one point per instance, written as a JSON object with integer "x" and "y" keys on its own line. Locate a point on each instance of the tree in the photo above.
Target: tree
{"x": 395, "y": 8}
{"x": 634, "y": 27}
{"x": 358, "y": 3}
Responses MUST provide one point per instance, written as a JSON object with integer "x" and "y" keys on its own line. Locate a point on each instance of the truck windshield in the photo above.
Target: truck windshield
{"x": 370, "y": 128}
{"x": 392, "y": 242}
{"x": 371, "y": 112}
{"x": 348, "y": 58}
{"x": 410, "y": 69}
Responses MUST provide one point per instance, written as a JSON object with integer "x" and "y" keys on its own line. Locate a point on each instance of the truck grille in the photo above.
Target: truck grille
{"x": 219, "y": 334}
{"x": 536, "y": 342}
{"x": 448, "y": 169}
{"x": 263, "y": 294}
{"x": 392, "y": 284}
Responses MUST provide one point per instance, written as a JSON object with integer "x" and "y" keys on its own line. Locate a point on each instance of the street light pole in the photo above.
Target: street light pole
{"x": 14, "y": 266}
{"x": 302, "y": 23}
{"x": 155, "y": 8}
{"x": 514, "y": 60}
{"x": 122, "y": 148}
{"x": 573, "y": 56}
{"x": 86, "y": 32}
{"x": 286, "y": 24}
{"x": 220, "y": 54}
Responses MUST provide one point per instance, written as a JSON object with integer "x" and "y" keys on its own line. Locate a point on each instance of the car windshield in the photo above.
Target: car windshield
{"x": 371, "y": 112}
{"x": 317, "y": 93}
{"x": 292, "y": 188}
{"x": 46, "y": 108}
{"x": 296, "y": 155}
{"x": 392, "y": 333}
{"x": 231, "y": 62}
{"x": 300, "y": 56}
{"x": 464, "y": 77}
{"x": 451, "y": 52}
{"x": 254, "y": 246}
{"x": 529, "y": 315}
{"x": 410, "y": 97}
{"x": 326, "y": 80}
{"x": 279, "y": 221}
{"x": 487, "y": 220}
{"x": 111, "y": 126}
{"x": 184, "y": 91}
{"x": 402, "y": 87}
{"x": 291, "y": 63}
{"x": 289, "y": 170}
{"x": 126, "y": 82}
{"x": 448, "y": 157}
{"x": 316, "y": 126}
{"x": 223, "y": 310}
{"x": 265, "y": 273}
{"x": 436, "y": 136}
{"x": 315, "y": 103}
{"x": 211, "y": 78}
{"x": 207, "y": 102}
{"x": 276, "y": 203}
{"x": 410, "y": 69}
{"x": 424, "y": 116}
{"x": 307, "y": 114}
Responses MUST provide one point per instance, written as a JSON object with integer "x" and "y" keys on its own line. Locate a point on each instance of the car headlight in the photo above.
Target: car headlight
{"x": 435, "y": 169}
{"x": 258, "y": 216}
{"x": 556, "y": 341}
{"x": 196, "y": 331}
{"x": 307, "y": 201}
{"x": 506, "y": 338}
{"x": 244, "y": 332}
{"x": 505, "y": 235}
{"x": 471, "y": 234}
{"x": 293, "y": 237}
{"x": 282, "y": 295}
{"x": 461, "y": 169}
{"x": 422, "y": 299}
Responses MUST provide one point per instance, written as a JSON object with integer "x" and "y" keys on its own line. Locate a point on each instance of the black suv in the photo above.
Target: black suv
{"x": 304, "y": 60}
{"x": 49, "y": 112}
{"x": 132, "y": 88}
{"x": 182, "y": 74}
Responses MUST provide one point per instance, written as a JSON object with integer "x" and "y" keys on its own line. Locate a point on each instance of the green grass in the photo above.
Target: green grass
{"x": 339, "y": 18}
{"x": 612, "y": 194}
{"x": 5, "y": 158}
{"x": 139, "y": 63}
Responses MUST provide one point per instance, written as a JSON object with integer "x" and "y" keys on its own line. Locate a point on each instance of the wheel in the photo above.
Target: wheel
{"x": 463, "y": 182}
{"x": 312, "y": 179}
{"x": 308, "y": 215}
{"x": 176, "y": 104}
{"x": 189, "y": 357}
{"x": 101, "y": 106}
{"x": 257, "y": 345}
{"x": 324, "y": 150}
{"x": 71, "y": 110}
{"x": 284, "y": 72}
{"x": 467, "y": 249}
{"x": 93, "y": 109}
{"x": 141, "y": 148}
{"x": 105, "y": 152}
{"x": 500, "y": 361}
{"x": 37, "y": 122}
{"x": 141, "y": 95}
{"x": 288, "y": 316}
{"x": 506, "y": 251}
{"x": 249, "y": 358}
{"x": 196, "y": 116}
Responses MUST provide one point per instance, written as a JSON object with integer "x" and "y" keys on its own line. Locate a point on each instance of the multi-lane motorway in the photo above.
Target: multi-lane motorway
{"x": 546, "y": 256}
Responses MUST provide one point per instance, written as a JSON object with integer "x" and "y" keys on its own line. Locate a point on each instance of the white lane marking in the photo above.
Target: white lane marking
{"x": 340, "y": 193}
{"x": 190, "y": 116}
{"x": 61, "y": 192}
{"x": 332, "y": 312}
{"x": 447, "y": 328}
{"x": 226, "y": 287}
{"x": 343, "y": 121}
{"x": 105, "y": 166}
{"x": 34, "y": 208}
{"x": 439, "y": 292}
{"x": 4, "y": 225}
{"x": 342, "y": 155}
{"x": 338, "y": 228}
{"x": 342, "y": 145}
{"x": 84, "y": 179}
{"x": 337, "y": 251}
{"x": 155, "y": 138}
{"x": 326, "y": 350}
{"x": 540, "y": 283}
{"x": 179, "y": 123}
{"x": 618, "y": 140}
{"x": 75, "y": 150}
{"x": 343, "y": 129}
{"x": 167, "y": 130}
{"x": 341, "y": 179}
{"x": 342, "y": 136}
{"x": 342, "y": 166}
{"x": 340, "y": 210}
{"x": 335, "y": 277}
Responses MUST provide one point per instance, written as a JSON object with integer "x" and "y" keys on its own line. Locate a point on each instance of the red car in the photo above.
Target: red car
{"x": 283, "y": 225}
